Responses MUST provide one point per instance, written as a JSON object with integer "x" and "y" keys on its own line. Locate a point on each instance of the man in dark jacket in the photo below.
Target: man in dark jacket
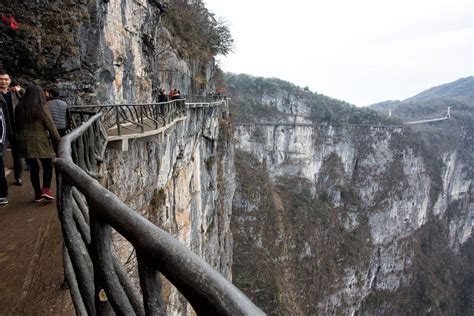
{"x": 162, "y": 97}
{"x": 8, "y": 102}
{"x": 3, "y": 147}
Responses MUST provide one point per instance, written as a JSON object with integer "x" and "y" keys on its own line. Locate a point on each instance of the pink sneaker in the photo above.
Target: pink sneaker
{"x": 46, "y": 194}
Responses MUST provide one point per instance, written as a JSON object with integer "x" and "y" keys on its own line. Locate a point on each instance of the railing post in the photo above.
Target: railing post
{"x": 155, "y": 114}
{"x": 172, "y": 110}
{"x": 106, "y": 274}
{"x": 117, "y": 119}
{"x": 141, "y": 119}
{"x": 77, "y": 250}
{"x": 150, "y": 283}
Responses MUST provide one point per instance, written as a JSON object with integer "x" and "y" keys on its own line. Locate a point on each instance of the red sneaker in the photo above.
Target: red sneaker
{"x": 46, "y": 194}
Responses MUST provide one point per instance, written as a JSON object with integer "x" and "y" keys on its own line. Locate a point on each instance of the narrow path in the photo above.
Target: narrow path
{"x": 31, "y": 270}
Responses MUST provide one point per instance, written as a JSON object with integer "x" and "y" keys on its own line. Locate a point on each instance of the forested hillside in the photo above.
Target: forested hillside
{"x": 342, "y": 210}
{"x": 271, "y": 99}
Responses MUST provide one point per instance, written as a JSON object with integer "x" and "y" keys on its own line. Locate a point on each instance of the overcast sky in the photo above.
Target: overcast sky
{"x": 362, "y": 51}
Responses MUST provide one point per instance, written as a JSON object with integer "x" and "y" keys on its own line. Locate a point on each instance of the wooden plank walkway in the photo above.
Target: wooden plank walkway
{"x": 31, "y": 268}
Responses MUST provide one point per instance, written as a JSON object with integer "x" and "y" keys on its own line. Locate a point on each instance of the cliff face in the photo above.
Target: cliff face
{"x": 349, "y": 218}
{"x": 184, "y": 183}
{"x": 106, "y": 51}
{"x": 123, "y": 51}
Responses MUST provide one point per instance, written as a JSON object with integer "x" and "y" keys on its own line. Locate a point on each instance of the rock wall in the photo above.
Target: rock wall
{"x": 97, "y": 51}
{"x": 115, "y": 51}
{"x": 183, "y": 181}
{"x": 350, "y": 219}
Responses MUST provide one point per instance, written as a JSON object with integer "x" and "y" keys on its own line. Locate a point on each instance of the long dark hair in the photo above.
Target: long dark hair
{"x": 31, "y": 105}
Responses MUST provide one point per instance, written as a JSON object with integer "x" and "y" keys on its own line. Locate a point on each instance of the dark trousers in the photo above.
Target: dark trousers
{"x": 3, "y": 179}
{"x": 47, "y": 164}
{"x": 62, "y": 131}
{"x": 17, "y": 162}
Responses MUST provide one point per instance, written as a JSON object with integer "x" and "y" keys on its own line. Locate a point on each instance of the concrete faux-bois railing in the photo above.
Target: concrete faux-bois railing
{"x": 97, "y": 280}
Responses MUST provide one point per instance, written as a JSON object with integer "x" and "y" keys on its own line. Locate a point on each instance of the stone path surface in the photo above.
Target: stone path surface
{"x": 31, "y": 270}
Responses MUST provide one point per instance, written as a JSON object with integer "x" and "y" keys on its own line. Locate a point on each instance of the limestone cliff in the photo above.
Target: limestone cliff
{"x": 183, "y": 182}
{"x": 106, "y": 51}
{"x": 349, "y": 213}
{"x": 123, "y": 52}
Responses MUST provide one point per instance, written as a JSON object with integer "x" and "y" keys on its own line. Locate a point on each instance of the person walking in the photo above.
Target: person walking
{"x": 35, "y": 131}
{"x": 15, "y": 87}
{"x": 171, "y": 94}
{"x": 3, "y": 149}
{"x": 59, "y": 112}
{"x": 9, "y": 102}
{"x": 162, "y": 96}
{"x": 174, "y": 95}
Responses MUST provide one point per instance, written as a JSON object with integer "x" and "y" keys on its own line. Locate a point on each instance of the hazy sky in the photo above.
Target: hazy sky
{"x": 362, "y": 51}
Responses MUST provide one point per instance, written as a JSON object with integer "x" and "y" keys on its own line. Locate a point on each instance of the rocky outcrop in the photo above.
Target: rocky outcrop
{"x": 98, "y": 51}
{"x": 349, "y": 218}
{"x": 123, "y": 52}
{"x": 183, "y": 181}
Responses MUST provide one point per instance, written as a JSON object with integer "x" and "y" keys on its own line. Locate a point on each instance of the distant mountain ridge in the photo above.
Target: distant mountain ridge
{"x": 461, "y": 90}
{"x": 433, "y": 102}
{"x": 336, "y": 212}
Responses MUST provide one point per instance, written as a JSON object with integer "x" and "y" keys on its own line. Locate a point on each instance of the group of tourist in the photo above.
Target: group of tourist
{"x": 32, "y": 122}
{"x": 174, "y": 94}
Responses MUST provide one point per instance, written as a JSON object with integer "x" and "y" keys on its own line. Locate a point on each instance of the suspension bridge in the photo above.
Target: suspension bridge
{"x": 348, "y": 125}
{"x": 447, "y": 116}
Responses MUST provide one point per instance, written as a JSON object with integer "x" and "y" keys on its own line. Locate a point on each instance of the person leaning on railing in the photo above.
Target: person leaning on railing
{"x": 35, "y": 130}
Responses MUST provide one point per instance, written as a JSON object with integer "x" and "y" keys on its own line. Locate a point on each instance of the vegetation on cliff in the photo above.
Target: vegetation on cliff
{"x": 294, "y": 247}
{"x": 262, "y": 99}
{"x": 453, "y": 135}
{"x": 298, "y": 252}
{"x": 202, "y": 35}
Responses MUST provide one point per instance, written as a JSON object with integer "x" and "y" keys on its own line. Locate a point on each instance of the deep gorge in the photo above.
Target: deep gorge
{"x": 324, "y": 209}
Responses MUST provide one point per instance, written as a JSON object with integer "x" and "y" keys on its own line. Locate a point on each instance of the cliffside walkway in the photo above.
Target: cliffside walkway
{"x": 42, "y": 244}
{"x": 129, "y": 121}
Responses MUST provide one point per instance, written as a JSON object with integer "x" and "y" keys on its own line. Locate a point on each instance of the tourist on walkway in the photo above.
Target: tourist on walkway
{"x": 171, "y": 94}
{"x": 9, "y": 103}
{"x": 59, "y": 112}
{"x": 162, "y": 96}
{"x": 3, "y": 149}
{"x": 174, "y": 95}
{"x": 15, "y": 87}
{"x": 35, "y": 131}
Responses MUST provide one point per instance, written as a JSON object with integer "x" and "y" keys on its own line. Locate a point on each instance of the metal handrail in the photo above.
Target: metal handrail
{"x": 91, "y": 264}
